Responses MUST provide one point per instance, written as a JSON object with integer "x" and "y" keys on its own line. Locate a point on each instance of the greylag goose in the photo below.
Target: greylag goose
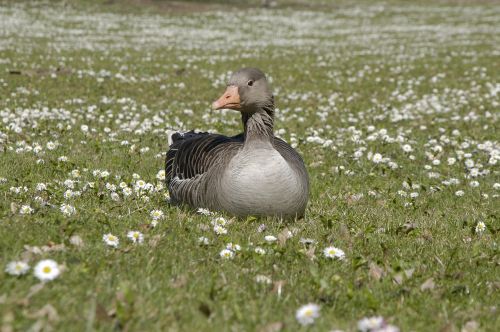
{"x": 250, "y": 174}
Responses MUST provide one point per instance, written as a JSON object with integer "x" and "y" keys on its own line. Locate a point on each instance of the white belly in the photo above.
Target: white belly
{"x": 261, "y": 182}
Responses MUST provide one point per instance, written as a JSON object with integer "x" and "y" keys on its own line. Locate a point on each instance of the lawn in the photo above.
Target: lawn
{"x": 393, "y": 105}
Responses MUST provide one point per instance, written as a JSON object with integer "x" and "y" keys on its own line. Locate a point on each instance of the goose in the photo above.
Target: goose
{"x": 251, "y": 174}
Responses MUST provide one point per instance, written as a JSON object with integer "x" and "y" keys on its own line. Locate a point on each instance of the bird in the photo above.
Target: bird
{"x": 253, "y": 173}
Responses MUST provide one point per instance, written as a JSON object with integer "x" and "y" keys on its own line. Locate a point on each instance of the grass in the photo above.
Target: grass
{"x": 359, "y": 79}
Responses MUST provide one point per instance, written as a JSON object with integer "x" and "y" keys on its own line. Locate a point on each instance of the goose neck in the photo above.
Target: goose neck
{"x": 258, "y": 126}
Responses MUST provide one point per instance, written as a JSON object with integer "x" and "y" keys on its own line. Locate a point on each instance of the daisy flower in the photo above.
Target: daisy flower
{"x": 219, "y": 230}
{"x": 111, "y": 240}
{"x": 156, "y": 214}
{"x": 135, "y": 236}
{"x": 51, "y": 145}
{"x": 140, "y": 184}
{"x": 47, "y": 270}
{"x": 368, "y": 324}
{"x": 260, "y": 251}
{"x": 480, "y": 227}
{"x": 67, "y": 210}
{"x": 233, "y": 247}
{"x": 270, "y": 238}
{"x": 307, "y": 314}
{"x": 127, "y": 191}
{"x": 203, "y": 240}
{"x": 204, "y": 212}
{"x": 407, "y": 148}
{"x": 161, "y": 175}
{"x": 110, "y": 186}
{"x": 219, "y": 221}
{"x": 41, "y": 187}
{"x": 17, "y": 268}
{"x": 114, "y": 196}
{"x": 69, "y": 183}
{"x": 262, "y": 279}
{"x": 226, "y": 254}
{"x": 377, "y": 158}
{"x": 25, "y": 209}
{"x": 332, "y": 252}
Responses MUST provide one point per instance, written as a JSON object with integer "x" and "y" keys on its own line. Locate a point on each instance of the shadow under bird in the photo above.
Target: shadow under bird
{"x": 250, "y": 174}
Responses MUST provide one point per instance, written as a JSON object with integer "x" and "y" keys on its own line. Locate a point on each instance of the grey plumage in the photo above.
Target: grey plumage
{"x": 253, "y": 173}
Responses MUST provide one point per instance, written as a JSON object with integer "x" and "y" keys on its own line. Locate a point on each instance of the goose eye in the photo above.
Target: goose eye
{"x": 250, "y": 83}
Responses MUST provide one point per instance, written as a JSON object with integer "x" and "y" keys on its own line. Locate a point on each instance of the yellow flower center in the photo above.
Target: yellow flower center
{"x": 46, "y": 269}
{"x": 308, "y": 313}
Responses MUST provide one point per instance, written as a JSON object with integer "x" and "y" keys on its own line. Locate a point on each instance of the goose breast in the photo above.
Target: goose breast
{"x": 259, "y": 181}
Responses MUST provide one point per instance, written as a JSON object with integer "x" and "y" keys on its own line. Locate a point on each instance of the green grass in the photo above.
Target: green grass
{"x": 336, "y": 71}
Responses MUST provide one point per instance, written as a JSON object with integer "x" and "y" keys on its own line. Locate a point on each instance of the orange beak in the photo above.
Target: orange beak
{"x": 229, "y": 99}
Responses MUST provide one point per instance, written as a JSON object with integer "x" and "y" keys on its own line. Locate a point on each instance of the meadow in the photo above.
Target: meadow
{"x": 393, "y": 105}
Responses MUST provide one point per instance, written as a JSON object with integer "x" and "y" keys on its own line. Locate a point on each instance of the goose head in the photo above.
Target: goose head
{"x": 247, "y": 91}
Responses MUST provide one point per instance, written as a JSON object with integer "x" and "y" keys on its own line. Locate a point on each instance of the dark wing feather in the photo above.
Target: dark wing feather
{"x": 190, "y": 156}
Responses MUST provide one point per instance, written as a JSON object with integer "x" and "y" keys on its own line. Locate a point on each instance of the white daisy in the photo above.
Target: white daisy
{"x": 219, "y": 221}
{"x": 261, "y": 279}
{"x": 135, "y": 236}
{"x": 332, "y": 252}
{"x": 41, "y": 187}
{"x": 110, "y": 186}
{"x": 156, "y": 214}
{"x": 480, "y": 227}
{"x": 377, "y": 158}
{"x": 368, "y": 324}
{"x": 226, "y": 254}
{"x": 161, "y": 175}
{"x": 127, "y": 191}
{"x": 114, "y": 196}
{"x": 140, "y": 184}
{"x": 204, "y": 212}
{"x": 270, "y": 238}
{"x": 203, "y": 240}
{"x": 17, "y": 268}
{"x": 69, "y": 183}
{"x": 233, "y": 246}
{"x": 51, "y": 145}
{"x": 407, "y": 148}
{"x": 68, "y": 194}
{"x": 47, "y": 270}
{"x": 260, "y": 251}
{"x": 25, "y": 209}
{"x": 307, "y": 314}
{"x": 67, "y": 210}
{"x": 474, "y": 184}
{"x": 219, "y": 230}
{"x": 111, "y": 240}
